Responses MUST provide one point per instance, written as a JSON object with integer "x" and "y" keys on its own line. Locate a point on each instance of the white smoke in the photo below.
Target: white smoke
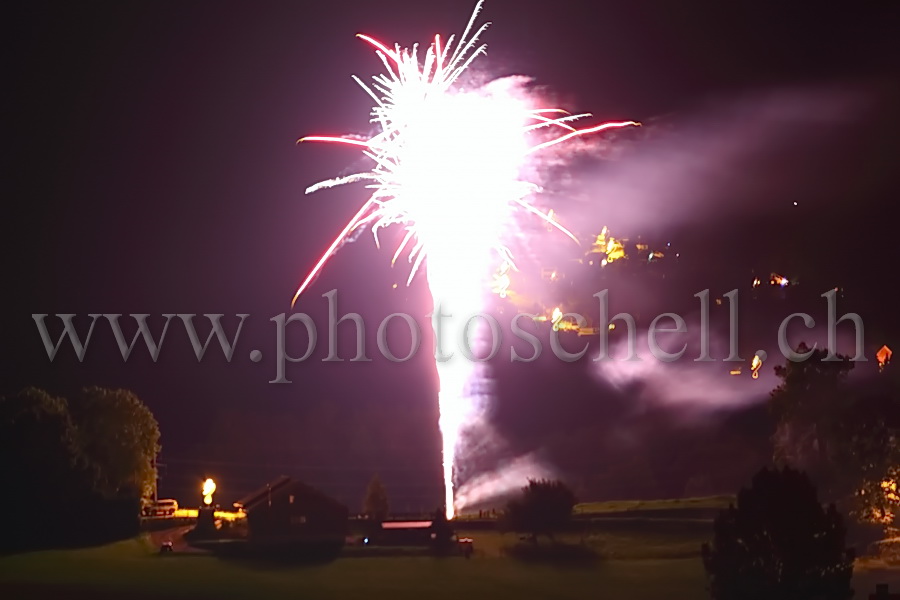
{"x": 506, "y": 479}
{"x": 701, "y": 385}
{"x": 735, "y": 157}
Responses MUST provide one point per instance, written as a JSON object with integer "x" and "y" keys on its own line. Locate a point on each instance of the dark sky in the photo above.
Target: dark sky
{"x": 154, "y": 170}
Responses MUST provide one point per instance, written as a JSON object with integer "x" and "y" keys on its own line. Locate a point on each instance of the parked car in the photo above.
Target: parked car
{"x": 161, "y": 508}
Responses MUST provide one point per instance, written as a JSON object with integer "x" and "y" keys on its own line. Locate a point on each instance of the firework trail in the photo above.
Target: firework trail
{"x": 448, "y": 167}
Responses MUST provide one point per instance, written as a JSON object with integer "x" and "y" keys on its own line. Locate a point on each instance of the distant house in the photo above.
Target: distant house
{"x": 288, "y": 510}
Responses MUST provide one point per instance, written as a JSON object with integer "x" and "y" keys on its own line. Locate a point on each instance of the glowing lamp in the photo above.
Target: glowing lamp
{"x": 209, "y": 488}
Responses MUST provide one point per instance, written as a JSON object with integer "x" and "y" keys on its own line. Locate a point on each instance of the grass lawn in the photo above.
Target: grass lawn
{"x": 619, "y": 506}
{"x": 132, "y": 569}
{"x": 637, "y": 566}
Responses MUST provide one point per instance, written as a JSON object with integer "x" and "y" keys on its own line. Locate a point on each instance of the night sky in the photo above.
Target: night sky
{"x": 155, "y": 170}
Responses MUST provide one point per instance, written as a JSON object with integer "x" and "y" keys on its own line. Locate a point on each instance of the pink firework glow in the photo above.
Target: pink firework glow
{"x": 448, "y": 167}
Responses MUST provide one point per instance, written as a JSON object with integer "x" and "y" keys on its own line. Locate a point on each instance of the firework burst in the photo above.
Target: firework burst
{"x": 448, "y": 165}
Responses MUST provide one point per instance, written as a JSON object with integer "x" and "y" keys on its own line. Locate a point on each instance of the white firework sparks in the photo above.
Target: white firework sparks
{"x": 448, "y": 166}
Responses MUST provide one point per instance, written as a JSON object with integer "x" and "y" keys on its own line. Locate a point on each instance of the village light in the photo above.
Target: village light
{"x": 555, "y": 318}
{"x": 756, "y": 365}
{"x": 209, "y": 488}
{"x": 779, "y": 280}
{"x": 883, "y": 356}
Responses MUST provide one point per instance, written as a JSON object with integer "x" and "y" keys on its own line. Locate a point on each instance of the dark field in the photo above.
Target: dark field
{"x": 639, "y": 560}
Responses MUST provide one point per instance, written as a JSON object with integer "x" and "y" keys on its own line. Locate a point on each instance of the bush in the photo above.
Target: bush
{"x": 779, "y": 543}
{"x": 544, "y": 508}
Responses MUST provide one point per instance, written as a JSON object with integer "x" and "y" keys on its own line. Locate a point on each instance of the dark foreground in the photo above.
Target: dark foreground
{"x": 626, "y": 565}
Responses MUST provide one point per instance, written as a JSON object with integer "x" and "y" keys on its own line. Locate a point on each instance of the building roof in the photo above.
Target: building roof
{"x": 282, "y": 483}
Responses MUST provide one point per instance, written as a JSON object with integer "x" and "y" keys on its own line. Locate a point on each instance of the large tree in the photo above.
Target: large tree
{"x": 808, "y": 406}
{"x": 868, "y": 455}
{"x": 43, "y": 470}
{"x": 40, "y": 457}
{"x": 120, "y": 438}
{"x": 845, "y": 436}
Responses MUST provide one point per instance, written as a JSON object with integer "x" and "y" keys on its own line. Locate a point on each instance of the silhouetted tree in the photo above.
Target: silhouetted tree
{"x": 65, "y": 470}
{"x": 544, "y": 508}
{"x": 868, "y": 454}
{"x": 779, "y": 543}
{"x": 41, "y": 466}
{"x": 807, "y": 406}
{"x": 845, "y": 437}
{"x": 120, "y": 437}
{"x": 375, "y": 504}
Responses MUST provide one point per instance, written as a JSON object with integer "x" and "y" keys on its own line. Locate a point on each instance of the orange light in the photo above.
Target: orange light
{"x": 191, "y": 513}
{"x": 883, "y": 356}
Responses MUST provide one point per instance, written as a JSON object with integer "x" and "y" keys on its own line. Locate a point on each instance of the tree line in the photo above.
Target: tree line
{"x": 74, "y": 470}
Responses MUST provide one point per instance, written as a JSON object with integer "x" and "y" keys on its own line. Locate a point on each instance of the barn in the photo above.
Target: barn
{"x": 289, "y": 511}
